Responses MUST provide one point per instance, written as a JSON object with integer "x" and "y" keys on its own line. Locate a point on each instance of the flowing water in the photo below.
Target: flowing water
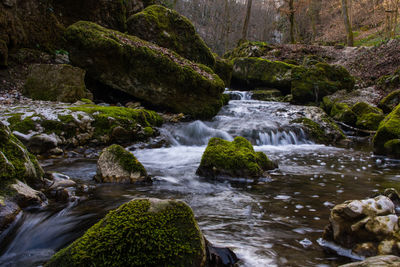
{"x": 273, "y": 222}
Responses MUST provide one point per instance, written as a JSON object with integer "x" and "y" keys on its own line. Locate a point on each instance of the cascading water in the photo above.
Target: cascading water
{"x": 272, "y": 222}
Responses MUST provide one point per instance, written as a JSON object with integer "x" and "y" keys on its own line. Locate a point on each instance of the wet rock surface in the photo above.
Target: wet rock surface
{"x": 368, "y": 227}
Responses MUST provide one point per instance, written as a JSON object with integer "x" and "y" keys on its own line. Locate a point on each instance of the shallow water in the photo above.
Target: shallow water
{"x": 274, "y": 222}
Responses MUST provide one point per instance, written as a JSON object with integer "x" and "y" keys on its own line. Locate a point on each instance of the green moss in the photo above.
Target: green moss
{"x": 249, "y": 49}
{"x": 343, "y": 113}
{"x": 363, "y": 108}
{"x": 369, "y": 121}
{"x": 255, "y": 72}
{"x": 126, "y": 159}
{"x": 389, "y": 83}
{"x": 169, "y": 29}
{"x": 223, "y": 68}
{"x": 87, "y": 101}
{"x": 389, "y": 102}
{"x": 313, "y": 83}
{"x": 60, "y": 128}
{"x": 150, "y": 73}
{"x": 107, "y": 118}
{"x": 267, "y": 95}
{"x": 314, "y": 130}
{"x": 148, "y": 131}
{"x": 21, "y": 125}
{"x": 15, "y": 161}
{"x": 327, "y": 104}
{"x": 392, "y": 148}
{"x": 389, "y": 129}
{"x": 139, "y": 233}
{"x": 235, "y": 159}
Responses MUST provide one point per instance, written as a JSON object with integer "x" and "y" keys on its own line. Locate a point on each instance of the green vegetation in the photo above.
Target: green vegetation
{"x": 126, "y": 159}
{"x": 249, "y": 49}
{"x": 389, "y": 102}
{"x": 21, "y": 125}
{"x": 223, "y": 68}
{"x": 107, "y": 118}
{"x": 167, "y": 28}
{"x": 235, "y": 159}
{"x": 389, "y": 129}
{"x": 16, "y": 161}
{"x": 141, "y": 232}
{"x": 148, "y": 72}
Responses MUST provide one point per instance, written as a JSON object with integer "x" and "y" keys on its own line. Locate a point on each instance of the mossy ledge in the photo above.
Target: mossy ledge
{"x": 233, "y": 159}
{"x": 142, "y": 232}
{"x": 155, "y": 75}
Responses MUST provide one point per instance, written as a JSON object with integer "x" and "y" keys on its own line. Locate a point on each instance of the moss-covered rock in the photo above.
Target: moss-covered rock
{"x": 343, "y": 113}
{"x": 117, "y": 165}
{"x": 267, "y": 95}
{"x": 155, "y": 75}
{"x": 56, "y": 82}
{"x": 389, "y": 102}
{"x": 389, "y": 83}
{"x": 233, "y": 159}
{"x": 3, "y": 54}
{"x": 388, "y": 131}
{"x": 142, "y": 232}
{"x": 311, "y": 84}
{"x": 223, "y": 68}
{"x": 16, "y": 162}
{"x": 169, "y": 29}
{"x": 368, "y": 117}
{"x": 249, "y": 49}
{"x": 254, "y": 72}
{"x": 320, "y": 133}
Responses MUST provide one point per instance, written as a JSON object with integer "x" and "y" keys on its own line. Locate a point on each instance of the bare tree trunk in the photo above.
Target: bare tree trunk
{"x": 347, "y": 25}
{"x": 291, "y": 21}
{"x": 246, "y": 20}
{"x": 227, "y": 24}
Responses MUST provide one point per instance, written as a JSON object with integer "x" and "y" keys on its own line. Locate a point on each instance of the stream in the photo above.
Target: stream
{"x": 276, "y": 221}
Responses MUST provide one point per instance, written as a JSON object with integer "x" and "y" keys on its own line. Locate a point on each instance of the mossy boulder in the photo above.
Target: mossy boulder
{"x": 343, "y": 113}
{"x": 252, "y": 72}
{"x": 56, "y": 82}
{"x": 249, "y": 49}
{"x": 223, "y": 68}
{"x": 142, "y": 232}
{"x": 16, "y": 162}
{"x": 117, "y": 165}
{"x": 389, "y": 102}
{"x": 368, "y": 117}
{"x": 167, "y": 28}
{"x": 311, "y": 84}
{"x": 3, "y": 54}
{"x": 386, "y": 138}
{"x": 327, "y": 132}
{"x": 155, "y": 75}
{"x": 267, "y": 94}
{"x": 233, "y": 159}
{"x": 389, "y": 83}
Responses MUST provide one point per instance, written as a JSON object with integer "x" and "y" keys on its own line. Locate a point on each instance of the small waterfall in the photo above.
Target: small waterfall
{"x": 239, "y": 95}
{"x": 196, "y": 133}
{"x": 283, "y": 137}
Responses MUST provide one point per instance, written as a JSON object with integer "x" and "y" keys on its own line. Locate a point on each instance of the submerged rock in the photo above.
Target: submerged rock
{"x": 368, "y": 227}
{"x": 155, "y": 75}
{"x": 117, "y": 165}
{"x": 56, "y": 82}
{"x": 377, "y": 261}
{"x": 167, "y": 28}
{"x": 142, "y": 232}
{"x": 233, "y": 159}
{"x": 387, "y": 139}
